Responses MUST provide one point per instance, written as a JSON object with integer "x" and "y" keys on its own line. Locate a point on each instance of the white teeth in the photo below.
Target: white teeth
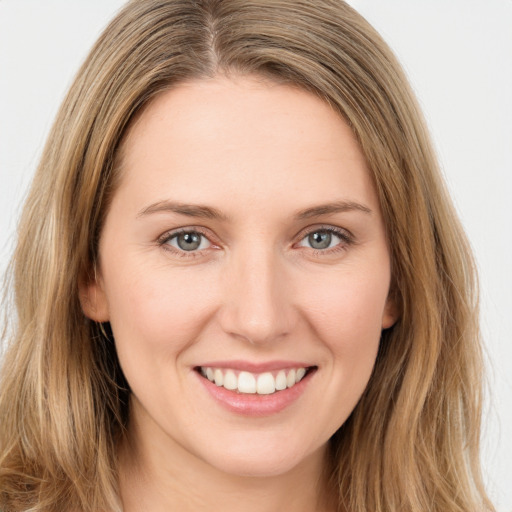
{"x": 266, "y": 384}
{"x": 262, "y": 384}
{"x": 230, "y": 380}
{"x": 281, "y": 381}
{"x": 300, "y": 374}
{"x": 246, "y": 383}
{"x": 218, "y": 377}
{"x": 290, "y": 380}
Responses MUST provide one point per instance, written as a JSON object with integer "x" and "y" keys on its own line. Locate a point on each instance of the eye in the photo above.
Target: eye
{"x": 187, "y": 241}
{"x": 325, "y": 238}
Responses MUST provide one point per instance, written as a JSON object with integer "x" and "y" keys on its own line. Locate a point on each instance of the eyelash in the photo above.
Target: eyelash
{"x": 166, "y": 237}
{"x": 346, "y": 240}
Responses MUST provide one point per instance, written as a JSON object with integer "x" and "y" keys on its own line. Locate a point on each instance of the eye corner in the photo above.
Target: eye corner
{"x": 325, "y": 244}
{"x": 197, "y": 239}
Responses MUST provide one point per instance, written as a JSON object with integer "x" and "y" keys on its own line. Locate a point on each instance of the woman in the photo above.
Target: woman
{"x": 239, "y": 279}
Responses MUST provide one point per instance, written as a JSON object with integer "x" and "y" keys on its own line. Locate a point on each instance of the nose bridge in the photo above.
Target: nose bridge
{"x": 257, "y": 305}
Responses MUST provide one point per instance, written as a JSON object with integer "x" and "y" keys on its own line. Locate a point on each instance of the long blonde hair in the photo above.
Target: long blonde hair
{"x": 412, "y": 443}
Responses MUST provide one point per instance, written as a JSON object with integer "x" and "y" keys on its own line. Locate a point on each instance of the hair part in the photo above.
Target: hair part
{"x": 412, "y": 442}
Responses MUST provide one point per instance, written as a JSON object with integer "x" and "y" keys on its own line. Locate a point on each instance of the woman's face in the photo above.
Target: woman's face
{"x": 243, "y": 251}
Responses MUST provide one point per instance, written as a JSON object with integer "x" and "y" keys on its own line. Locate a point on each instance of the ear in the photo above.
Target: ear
{"x": 93, "y": 298}
{"x": 391, "y": 312}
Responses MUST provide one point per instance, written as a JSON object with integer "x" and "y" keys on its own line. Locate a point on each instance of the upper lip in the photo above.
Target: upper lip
{"x": 252, "y": 367}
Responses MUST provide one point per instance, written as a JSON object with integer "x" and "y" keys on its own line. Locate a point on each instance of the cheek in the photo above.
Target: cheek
{"x": 155, "y": 312}
{"x": 346, "y": 311}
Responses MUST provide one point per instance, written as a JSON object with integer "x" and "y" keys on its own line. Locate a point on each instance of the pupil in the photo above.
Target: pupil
{"x": 320, "y": 240}
{"x": 189, "y": 241}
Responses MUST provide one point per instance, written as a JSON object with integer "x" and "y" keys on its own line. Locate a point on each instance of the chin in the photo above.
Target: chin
{"x": 252, "y": 459}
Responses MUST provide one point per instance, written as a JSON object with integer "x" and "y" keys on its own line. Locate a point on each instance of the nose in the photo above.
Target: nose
{"x": 257, "y": 305}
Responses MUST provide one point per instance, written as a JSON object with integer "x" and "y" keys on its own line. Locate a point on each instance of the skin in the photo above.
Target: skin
{"x": 256, "y": 290}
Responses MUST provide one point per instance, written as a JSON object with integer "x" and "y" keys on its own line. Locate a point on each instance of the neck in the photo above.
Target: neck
{"x": 156, "y": 479}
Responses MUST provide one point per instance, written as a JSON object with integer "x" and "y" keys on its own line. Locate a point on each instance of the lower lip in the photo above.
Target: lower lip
{"x": 253, "y": 404}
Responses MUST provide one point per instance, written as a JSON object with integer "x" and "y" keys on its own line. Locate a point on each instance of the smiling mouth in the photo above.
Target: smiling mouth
{"x": 245, "y": 382}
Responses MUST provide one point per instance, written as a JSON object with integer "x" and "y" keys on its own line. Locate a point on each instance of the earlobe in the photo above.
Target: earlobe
{"x": 93, "y": 299}
{"x": 391, "y": 313}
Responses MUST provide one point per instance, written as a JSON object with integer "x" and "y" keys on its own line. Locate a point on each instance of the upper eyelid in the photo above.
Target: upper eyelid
{"x": 167, "y": 235}
{"x": 163, "y": 240}
{"x": 324, "y": 227}
{"x": 347, "y": 239}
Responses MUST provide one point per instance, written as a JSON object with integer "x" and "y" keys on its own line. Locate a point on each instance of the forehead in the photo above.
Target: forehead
{"x": 221, "y": 134}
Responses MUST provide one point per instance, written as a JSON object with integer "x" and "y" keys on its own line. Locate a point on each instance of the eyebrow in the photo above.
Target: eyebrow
{"x": 331, "y": 208}
{"x": 190, "y": 210}
{"x": 208, "y": 212}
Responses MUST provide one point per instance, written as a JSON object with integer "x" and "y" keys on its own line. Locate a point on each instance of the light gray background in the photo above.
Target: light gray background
{"x": 458, "y": 55}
